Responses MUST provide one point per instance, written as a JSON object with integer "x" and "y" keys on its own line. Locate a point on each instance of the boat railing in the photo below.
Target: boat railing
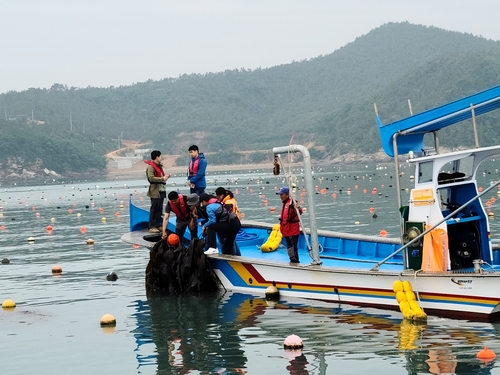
{"x": 417, "y": 238}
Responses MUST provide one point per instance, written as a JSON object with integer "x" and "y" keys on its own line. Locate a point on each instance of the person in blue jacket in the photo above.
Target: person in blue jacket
{"x": 196, "y": 171}
{"x": 221, "y": 221}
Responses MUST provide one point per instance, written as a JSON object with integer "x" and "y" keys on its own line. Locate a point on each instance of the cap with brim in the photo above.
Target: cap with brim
{"x": 192, "y": 199}
{"x": 283, "y": 190}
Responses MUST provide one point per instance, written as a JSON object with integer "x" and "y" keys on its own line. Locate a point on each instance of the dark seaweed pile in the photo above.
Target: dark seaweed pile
{"x": 179, "y": 269}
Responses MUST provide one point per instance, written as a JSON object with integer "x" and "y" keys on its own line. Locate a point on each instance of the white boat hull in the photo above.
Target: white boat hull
{"x": 448, "y": 293}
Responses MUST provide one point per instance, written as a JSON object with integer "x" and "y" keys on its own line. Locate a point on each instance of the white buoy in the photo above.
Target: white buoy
{"x": 293, "y": 342}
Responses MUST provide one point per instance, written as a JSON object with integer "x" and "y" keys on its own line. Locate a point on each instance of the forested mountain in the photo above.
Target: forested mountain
{"x": 327, "y": 100}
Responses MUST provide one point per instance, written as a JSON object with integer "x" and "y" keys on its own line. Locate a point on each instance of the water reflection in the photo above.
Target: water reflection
{"x": 190, "y": 333}
{"x": 238, "y": 333}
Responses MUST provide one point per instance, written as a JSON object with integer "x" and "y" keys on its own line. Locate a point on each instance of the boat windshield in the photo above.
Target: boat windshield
{"x": 457, "y": 170}
{"x": 425, "y": 172}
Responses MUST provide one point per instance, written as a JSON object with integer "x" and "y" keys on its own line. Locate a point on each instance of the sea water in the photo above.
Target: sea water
{"x": 55, "y": 326}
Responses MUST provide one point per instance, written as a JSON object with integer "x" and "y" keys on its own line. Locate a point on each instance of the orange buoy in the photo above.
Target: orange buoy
{"x": 493, "y": 199}
{"x": 488, "y": 203}
{"x": 2, "y": 227}
{"x": 480, "y": 188}
{"x": 383, "y": 233}
{"x": 371, "y": 209}
{"x": 101, "y": 210}
{"x": 364, "y": 191}
{"x": 49, "y": 228}
{"x": 136, "y": 246}
{"x": 83, "y": 229}
{"x": 334, "y": 195}
{"x": 173, "y": 239}
{"x": 117, "y": 214}
{"x": 272, "y": 209}
{"x": 486, "y": 354}
{"x": 56, "y": 270}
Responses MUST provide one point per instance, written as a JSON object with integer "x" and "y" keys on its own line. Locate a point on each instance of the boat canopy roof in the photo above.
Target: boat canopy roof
{"x": 411, "y": 130}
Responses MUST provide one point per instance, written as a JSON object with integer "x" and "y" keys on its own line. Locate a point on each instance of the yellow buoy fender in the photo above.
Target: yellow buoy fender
{"x": 407, "y": 301}
{"x": 273, "y": 241}
{"x": 400, "y": 297}
{"x": 404, "y": 305}
{"x": 410, "y": 296}
{"x": 397, "y": 286}
{"x": 407, "y": 286}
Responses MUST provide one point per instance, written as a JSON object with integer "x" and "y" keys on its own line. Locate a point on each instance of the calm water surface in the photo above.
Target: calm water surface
{"x": 55, "y": 326}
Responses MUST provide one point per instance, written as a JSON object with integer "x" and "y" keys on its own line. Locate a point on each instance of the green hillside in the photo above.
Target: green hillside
{"x": 327, "y": 100}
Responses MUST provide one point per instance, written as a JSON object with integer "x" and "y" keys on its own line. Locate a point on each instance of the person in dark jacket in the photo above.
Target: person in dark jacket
{"x": 157, "y": 192}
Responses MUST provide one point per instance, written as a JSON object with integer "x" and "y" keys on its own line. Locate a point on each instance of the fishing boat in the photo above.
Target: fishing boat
{"x": 444, "y": 255}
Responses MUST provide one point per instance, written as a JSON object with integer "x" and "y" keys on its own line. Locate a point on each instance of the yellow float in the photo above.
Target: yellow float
{"x": 273, "y": 241}
{"x": 407, "y": 301}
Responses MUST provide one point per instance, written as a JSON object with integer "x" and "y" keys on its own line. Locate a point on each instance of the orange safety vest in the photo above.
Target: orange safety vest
{"x": 228, "y": 200}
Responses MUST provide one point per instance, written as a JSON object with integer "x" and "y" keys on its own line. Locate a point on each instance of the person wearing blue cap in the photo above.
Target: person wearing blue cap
{"x": 289, "y": 223}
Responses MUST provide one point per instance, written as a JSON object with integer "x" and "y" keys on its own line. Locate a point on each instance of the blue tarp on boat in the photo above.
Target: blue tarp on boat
{"x": 415, "y": 127}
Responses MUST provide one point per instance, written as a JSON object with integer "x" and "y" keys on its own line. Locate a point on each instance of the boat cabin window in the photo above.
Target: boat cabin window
{"x": 456, "y": 170}
{"x": 444, "y": 198}
{"x": 425, "y": 171}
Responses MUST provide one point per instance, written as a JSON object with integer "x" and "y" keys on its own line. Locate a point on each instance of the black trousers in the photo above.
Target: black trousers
{"x": 180, "y": 229}
{"x": 227, "y": 232}
{"x": 292, "y": 248}
{"x": 156, "y": 210}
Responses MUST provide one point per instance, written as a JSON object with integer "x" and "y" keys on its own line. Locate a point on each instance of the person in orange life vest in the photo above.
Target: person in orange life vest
{"x": 177, "y": 204}
{"x": 157, "y": 192}
{"x": 226, "y": 224}
{"x": 196, "y": 171}
{"x": 289, "y": 223}
{"x": 227, "y": 197}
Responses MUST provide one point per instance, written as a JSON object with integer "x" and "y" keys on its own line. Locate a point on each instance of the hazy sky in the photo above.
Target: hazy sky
{"x": 120, "y": 42}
